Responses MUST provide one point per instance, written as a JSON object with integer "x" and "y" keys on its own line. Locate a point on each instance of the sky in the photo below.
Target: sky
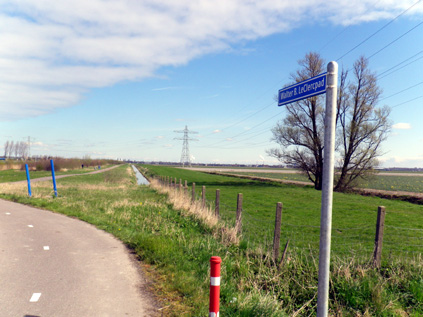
{"x": 116, "y": 79}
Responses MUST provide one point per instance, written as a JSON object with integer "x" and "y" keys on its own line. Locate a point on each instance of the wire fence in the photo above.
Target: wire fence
{"x": 358, "y": 241}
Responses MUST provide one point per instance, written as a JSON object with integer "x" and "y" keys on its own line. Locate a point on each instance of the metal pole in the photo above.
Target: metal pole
{"x": 53, "y": 176}
{"x": 327, "y": 190}
{"x": 28, "y": 180}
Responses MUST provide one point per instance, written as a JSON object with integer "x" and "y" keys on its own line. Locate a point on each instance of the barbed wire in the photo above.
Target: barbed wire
{"x": 357, "y": 241}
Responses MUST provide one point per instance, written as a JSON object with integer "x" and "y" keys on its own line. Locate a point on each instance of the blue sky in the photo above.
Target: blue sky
{"x": 116, "y": 79}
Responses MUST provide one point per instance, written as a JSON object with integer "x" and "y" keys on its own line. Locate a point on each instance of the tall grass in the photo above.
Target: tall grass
{"x": 181, "y": 200}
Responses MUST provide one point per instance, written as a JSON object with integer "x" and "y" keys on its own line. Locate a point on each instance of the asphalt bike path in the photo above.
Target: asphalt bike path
{"x": 47, "y": 178}
{"x": 54, "y": 265}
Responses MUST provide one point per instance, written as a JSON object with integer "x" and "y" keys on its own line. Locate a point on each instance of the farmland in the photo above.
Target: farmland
{"x": 389, "y": 181}
{"x": 354, "y": 216}
{"x": 175, "y": 246}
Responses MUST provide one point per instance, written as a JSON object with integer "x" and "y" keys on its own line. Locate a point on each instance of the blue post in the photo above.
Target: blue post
{"x": 54, "y": 177}
{"x": 29, "y": 180}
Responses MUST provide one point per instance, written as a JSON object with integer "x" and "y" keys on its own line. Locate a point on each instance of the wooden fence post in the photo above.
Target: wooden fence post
{"x": 193, "y": 192}
{"x": 377, "y": 255}
{"x": 277, "y": 234}
{"x": 238, "y": 223}
{"x": 217, "y": 204}
{"x": 203, "y": 196}
{"x": 180, "y": 185}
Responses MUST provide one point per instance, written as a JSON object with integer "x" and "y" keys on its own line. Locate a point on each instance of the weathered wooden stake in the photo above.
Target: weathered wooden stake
{"x": 283, "y": 254}
{"x": 217, "y": 204}
{"x": 180, "y": 184}
{"x": 193, "y": 192}
{"x": 238, "y": 223}
{"x": 277, "y": 234}
{"x": 203, "y": 196}
{"x": 377, "y": 255}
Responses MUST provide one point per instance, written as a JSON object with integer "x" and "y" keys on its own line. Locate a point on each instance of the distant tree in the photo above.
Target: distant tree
{"x": 22, "y": 149}
{"x": 361, "y": 126}
{"x": 12, "y": 148}
{"x": 6, "y": 148}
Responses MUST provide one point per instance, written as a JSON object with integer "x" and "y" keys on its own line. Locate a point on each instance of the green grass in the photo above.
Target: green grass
{"x": 396, "y": 183}
{"x": 354, "y": 216}
{"x": 282, "y": 176}
{"x": 391, "y": 182}
{"x": 178, "y": 246}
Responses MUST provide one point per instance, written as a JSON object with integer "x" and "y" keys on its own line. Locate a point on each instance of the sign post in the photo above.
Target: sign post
{"x": 53, "y": 176}
{"x": 323, "y": 83}
{"x": 327, "y": 190}
{"x": 28, "y": 179}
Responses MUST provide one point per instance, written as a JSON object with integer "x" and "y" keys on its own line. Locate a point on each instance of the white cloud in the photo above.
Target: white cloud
{"x": 39, "y": 144}
{"x": 217, "y": 131}
{"x": 402, "y": 126}
{"x": 52, "y": 52}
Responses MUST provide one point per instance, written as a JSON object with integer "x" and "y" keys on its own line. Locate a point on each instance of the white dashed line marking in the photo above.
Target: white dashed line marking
{"x": 31, "y": 226}
{"x": 35, "y": 297}
{"x": 8, "y": 213}
{"x": 46, "y": 248}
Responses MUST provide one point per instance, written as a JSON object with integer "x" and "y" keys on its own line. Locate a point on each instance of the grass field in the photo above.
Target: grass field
{"x": 175, "y": 246}
{"x": 354, "y": 217}
{"x": 390, "y": 182}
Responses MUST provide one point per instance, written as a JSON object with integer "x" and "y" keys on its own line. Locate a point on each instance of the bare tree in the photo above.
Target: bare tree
{"x": 6, "y": 148}
{"x": 22, "y": 149}
{"x": 301, "y": 132}
{"x": 361, "y": 127}
{"x": 12, "y": 148}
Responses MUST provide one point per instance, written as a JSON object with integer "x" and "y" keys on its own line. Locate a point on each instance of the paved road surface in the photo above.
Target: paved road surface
{"x": 53, "y": 265}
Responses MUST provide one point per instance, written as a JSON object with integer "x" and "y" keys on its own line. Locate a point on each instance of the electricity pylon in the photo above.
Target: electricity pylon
{"x": 185, "y": 156}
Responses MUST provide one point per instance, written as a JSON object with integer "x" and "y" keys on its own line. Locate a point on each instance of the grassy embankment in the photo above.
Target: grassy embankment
{"x": 178, "y": 246}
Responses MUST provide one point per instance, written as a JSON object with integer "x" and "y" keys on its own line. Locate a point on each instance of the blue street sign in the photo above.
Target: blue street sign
{"x": 308, "y": 88}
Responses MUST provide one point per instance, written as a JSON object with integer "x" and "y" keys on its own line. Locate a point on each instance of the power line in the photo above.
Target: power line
{"x": 383, "y": 27}
{"x": 400, "y": 104}
{"x": 397, "y": 93}
{"x": 398, "y": 38}
{"x": 244, "y": 132}
{"x": 252, "y": 115}
{"x": 384, "y": 74}
{"x": 343, "y": 30}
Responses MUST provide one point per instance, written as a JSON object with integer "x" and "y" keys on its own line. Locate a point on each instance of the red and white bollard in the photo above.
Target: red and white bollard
{"x": 214, "y": 286}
